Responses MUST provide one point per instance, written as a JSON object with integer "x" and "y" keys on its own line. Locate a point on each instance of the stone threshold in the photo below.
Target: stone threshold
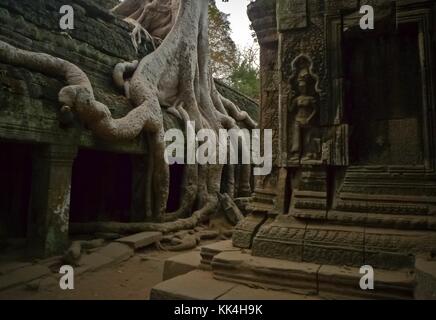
{"x": 224, "y": 270}
{"x": 326, "y": 281}
{"x": 201, "y": 285}
{"x": 43, "y": 272}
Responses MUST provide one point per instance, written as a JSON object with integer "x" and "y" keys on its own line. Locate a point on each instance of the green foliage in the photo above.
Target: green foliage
{"x": 245, "y": 73}
{"x": 223, "y": 50}
{"x": 237, "y": 68}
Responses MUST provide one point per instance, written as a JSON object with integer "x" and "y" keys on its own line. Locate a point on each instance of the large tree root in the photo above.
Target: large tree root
{"x": 135, "y": 227}
{"x": 176, "y": 76}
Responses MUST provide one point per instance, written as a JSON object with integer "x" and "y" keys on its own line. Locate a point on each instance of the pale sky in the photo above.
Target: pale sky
{"x": 239, "y": 21}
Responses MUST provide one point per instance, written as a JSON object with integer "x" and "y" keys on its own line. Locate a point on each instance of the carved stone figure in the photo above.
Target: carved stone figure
{"x": 303, "y": 110}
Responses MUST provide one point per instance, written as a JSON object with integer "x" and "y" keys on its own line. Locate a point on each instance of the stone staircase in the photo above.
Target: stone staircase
{"x": 224, "y": 269}
{"x": 326, "y": 281}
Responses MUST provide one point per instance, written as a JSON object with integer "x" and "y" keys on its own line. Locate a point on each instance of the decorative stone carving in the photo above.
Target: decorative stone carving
{"x": 304, "y": 110}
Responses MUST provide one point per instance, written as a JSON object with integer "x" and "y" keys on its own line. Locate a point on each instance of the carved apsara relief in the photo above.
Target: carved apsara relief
{"x": 304, "y": 111}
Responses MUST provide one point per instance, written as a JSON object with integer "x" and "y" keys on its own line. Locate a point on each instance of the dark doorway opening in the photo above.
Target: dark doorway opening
{"x": 101, "y": 187}
{"x": 384, "y": 96}
{"x": 176, "y": 183}
{"x": 15, "y": 188}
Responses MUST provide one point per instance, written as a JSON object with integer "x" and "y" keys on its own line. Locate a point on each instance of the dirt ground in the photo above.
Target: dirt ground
{"x": 130, "y": 280}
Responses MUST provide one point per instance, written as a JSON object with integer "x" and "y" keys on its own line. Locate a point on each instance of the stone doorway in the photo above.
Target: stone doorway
{"x": 15, "y": 188}
{"x": 384, "y": 99}
{"x": 176, "y": 184}
{"x": 101, "y": 187}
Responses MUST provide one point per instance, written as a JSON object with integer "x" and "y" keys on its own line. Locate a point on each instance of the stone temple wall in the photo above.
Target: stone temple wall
{"x": 32, "y": 132}
{"x": 355, "y": 181}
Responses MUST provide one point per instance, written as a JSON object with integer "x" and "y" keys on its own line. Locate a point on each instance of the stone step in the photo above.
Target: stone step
{"x": 141, "y": 240}
{"x": 327, "y": 281}
{"x": 426, "y": 279}
{"x": 323, "y": 243}
{"x": 208, "y": 252}
{"x": 23, "y": 275}
{"x": 200, "y": 285}
{"x": 181, "y": 264}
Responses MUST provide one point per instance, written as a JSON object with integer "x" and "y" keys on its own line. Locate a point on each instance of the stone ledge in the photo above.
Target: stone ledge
{"x": 200, "y": 285}
{"x": 195, "y": 285}
{"x": 22, "y": 276}
{"x": 181, "y": 264}
{"x": 242, "y": 292}
{"x": 208, "y": 252}
{"x": 327, "y": 281}
{"x": 141, "y": 240}
{"x": 116, "y": 251}
{"x": 425, "y": 279}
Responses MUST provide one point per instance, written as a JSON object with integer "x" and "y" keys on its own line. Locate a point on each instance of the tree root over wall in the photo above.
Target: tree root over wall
{"x": 175, "y": 76}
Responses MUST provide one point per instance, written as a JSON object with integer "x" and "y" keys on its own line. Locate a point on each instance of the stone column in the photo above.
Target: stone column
{"x": 244, "y": 189}
{"x": 263, "y": 17}
{"x": 50, "y": 207}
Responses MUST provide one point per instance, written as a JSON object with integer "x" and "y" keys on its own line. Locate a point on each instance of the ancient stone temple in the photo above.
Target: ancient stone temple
{"x": 54, "y": 172}
{"x": 352, "y": 191}
{"x": 354, "y": 182}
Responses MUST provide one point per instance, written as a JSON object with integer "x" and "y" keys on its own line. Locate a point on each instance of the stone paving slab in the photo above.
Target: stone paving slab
{"x": 23, "y": 275}
{"x": 208, "y": 252}
{"x": 141, "y": 240}
{"x": 242, "y": 292}
{"x": 93, "y": 262}
{"x": 181, "y": 264}
{"x": 195, "y": 285}
{"x": 11, "y": 266}
{"x": 268, "y": 273}
{"x": 426, "y": 279}
{"x": 116, "y": 251}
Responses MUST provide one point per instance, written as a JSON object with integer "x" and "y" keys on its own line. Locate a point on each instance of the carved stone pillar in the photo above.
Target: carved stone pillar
{"x": 263, "y": 16}
{"x": 244, "y": 188}
{"x": 51, "y": 190}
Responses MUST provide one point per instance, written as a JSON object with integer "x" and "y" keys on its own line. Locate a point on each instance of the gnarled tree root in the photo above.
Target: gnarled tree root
{"x": 175, "y": 75}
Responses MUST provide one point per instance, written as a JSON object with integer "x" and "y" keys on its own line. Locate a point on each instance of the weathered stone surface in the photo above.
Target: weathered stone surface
{"x": 292, "y": 14}
{"x": 196, "y": 285}
{"x": 93, "y": 262}
{"x": 23, "y": 275}
{"x": 245, "y": 230}
{"x": 378, "y": 208}
{"x": 11, "y": 266}
{"x": 116, "y": 251}
{"x": 265, "y": 272}
{"x": 242, "y": 292}
{"x": 326, "y": 281}
{"x": 209, "y": 251}
{"x": 181, "y": 264}
{"x": 337, "y": 282}
{"x": 425, "y": 279}
{"x": 45, "y": 283}
{"x": 141, "y": 240}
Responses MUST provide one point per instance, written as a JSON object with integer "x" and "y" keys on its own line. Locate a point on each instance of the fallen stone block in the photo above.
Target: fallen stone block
{"x": 273, "y": 274}
{"x": 141, "y": 240}
{"x": 116, "y": 251}
{"x": 93, "y": 262}
{"x": 195, "y": 285}
{"x": 12, "y": 266}
{"x": 41, "y": 284}
{"x": 425, "y": 279}
{"x": 208, "y": 252}
{"x": 242, "y": 292}
{"x": 181, "y": 264}
{"x": 22, "y": 276}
